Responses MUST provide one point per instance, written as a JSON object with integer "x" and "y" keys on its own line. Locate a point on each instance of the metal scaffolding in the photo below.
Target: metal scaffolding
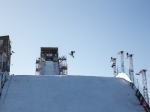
{"x": 121, "y": 53}
{"x": 63, "y": 65}
{"x": 5, "y": 53}
{"x": 131, "y": 69}
{"x": 144, "y": 82}
{"x": 114, "y": 65}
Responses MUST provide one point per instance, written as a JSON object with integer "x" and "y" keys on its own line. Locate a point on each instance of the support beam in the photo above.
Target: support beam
{"x": 121, "y": 53}
{"x": 144, "y": 82}
{"x": 131, "y": 69}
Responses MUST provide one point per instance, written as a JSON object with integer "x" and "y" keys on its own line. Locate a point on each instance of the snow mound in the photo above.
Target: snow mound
{"x": 124, "y": 76}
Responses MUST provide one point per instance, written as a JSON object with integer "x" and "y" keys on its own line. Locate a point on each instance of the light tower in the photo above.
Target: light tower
{"x": 114, "y": 65}
{"x": 144, "y": 82}
{"x": 122, "y": 60}
{"x": 131, "y": 69}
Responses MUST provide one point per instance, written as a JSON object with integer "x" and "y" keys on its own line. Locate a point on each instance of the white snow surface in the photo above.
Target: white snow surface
{"x": 124, "y": 76}
{"x": 30, "y": 93}
{"x": 48, "y": 68}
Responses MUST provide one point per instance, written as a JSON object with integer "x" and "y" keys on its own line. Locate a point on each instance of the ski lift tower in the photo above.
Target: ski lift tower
{"x": 5, "y": 53}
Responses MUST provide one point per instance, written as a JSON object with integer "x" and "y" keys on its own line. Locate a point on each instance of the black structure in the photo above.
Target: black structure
{"x": 5, "y": 53}
{"x": 49, "y": 53}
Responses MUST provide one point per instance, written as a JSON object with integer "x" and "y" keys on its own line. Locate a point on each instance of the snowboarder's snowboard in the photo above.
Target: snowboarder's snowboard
{"x": 71, "y": 55}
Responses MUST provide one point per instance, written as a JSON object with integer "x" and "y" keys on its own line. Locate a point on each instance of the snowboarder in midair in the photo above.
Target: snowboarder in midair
{"x": 72, "y": 52}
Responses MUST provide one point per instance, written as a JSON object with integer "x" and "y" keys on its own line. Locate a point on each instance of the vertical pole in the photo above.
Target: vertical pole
{"x": 35, "y": 68}
{"x": 131, "y": 69}
{"x": 144, "y": 82}
{"x": 117, "y": 70}
{"x": 122, "y": 60}
{"x": 2, "y": 62}
{"x": 137, "y": 84}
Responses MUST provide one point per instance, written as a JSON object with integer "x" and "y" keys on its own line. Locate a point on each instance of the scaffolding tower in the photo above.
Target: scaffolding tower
{"x": 63, "y": 65}
{"x": 144, "y": 82}
{"x": 50, "y": 62}
{"x": 131, "y": 69}
{"x": 5, "y": 53}
{"x": 121, "y": 53}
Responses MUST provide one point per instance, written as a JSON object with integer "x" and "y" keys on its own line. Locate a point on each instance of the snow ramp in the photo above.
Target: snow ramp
{"x": 31, "y": 93}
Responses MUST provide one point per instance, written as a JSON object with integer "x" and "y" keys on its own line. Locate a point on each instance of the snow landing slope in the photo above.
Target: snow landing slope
{"x": 26, "y": 93}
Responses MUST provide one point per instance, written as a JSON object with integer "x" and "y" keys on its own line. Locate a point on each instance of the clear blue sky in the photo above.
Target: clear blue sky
{"x": 95, "y": 29}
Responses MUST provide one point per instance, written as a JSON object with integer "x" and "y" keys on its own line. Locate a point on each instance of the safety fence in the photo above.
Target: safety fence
{"x": 137, "y": 87}
{"x": 3, "y": 79}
